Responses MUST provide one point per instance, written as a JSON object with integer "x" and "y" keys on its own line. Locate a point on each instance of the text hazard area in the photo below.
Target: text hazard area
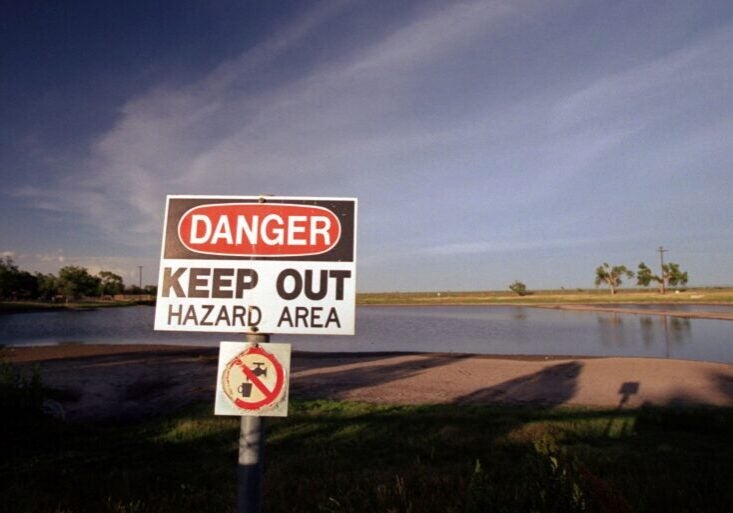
{"x": 258, "y": 265}
{"x": 252, "y": 379}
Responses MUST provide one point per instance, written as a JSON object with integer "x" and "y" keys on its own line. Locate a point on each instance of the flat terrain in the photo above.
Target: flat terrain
{"x": 699, "y": 296}
{"x": 135, "y": 381}
{"x": 129, "y": 381}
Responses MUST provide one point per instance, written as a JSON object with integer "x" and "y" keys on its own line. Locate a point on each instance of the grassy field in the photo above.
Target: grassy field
{"x": 582, "y": 296}
{"x": 331, "y": 456}
{"x": 708, "y": 295}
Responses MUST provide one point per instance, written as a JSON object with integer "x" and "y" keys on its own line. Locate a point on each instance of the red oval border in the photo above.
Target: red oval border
{"x": 246, "y": 255}
{"x": 279, "y": 382}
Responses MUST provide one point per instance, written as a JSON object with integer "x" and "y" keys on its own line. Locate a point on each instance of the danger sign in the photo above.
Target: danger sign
{"x": 258, "y": 265}
{"x": 252, "y": 379}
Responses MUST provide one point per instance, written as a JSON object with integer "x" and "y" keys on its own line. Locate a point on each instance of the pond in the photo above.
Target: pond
{"x": 501, "y": 330}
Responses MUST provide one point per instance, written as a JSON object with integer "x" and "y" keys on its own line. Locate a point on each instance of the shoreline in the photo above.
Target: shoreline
{"x": 703, "y": 296}
{"x": 127, "y": 382}
{"x": 579, "y": 307}
{"x": 45, "y": 353}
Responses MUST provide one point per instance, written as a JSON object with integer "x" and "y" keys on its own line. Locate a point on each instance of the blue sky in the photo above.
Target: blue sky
{"x": 486, "y": 142}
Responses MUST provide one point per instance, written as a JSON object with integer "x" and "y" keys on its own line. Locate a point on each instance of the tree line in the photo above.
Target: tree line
{"x": 612, "y": 276}
{"x": 72, "y": 282}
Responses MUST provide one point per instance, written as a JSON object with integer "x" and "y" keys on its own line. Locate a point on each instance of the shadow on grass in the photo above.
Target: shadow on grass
{"x": 337, "y": 456}
{"x": 340, "y": 456}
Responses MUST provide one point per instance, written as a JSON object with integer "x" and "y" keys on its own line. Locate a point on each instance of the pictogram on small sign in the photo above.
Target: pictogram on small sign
{"x": 252, "y": 379}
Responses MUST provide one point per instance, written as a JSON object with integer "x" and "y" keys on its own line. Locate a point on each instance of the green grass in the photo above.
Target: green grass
{"x": 350, "y": 457}
{"x": 705, "y": 295}
{"x": 570, "y": 296}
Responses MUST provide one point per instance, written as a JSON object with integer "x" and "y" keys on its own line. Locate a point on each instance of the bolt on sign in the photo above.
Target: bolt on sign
{"x": 252, "y": 379}
{"x": 258, "y": 265}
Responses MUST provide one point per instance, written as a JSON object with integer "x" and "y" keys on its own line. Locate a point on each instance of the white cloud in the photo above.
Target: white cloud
{"x": 311, "y": 134}
{"x": 648, "y": 92}
{"x": 391, "y": 120}
{"x": 127, "y": 267}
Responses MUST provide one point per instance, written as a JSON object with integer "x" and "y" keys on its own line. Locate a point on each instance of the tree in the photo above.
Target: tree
{"x": 8, "y": 273}
{"x": 48, "y": 286}
{"x": 134, "y": 290}
{"x": 110, "y": 283}
{"x": 611, "y": 276}
{"x": 671, "y": 275}
{"x": 75, "y": 282}
{"x": 519, "y": 288}
{"x": 14, "y": 283}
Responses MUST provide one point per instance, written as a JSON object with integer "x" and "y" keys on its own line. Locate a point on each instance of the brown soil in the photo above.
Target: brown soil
{"x": 107, "y": 382}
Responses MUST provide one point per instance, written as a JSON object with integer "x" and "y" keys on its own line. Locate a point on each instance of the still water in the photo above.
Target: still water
{"x": 459, "y": 329}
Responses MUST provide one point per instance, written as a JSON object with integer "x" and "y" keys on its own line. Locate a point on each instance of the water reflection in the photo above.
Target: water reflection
{"x": 520, "y": 314}
{"x": 679, "y": 330}
{"x": 611, "y": 330}
{"x": 674, "y": 332}
{"x": 476, "y": 329}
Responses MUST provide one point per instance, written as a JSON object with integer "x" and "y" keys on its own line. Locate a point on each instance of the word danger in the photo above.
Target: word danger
{"x": 250, "y": 229}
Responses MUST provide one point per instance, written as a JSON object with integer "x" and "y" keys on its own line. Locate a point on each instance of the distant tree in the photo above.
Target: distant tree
{"x": 110, "y": 283}
{"x": 75, "y": 282}
{"x": 48, "y": 286}
{"x": 519, "y": 288}
{"x": 151, "y": 289}
{"x": 134, "y": 289}
{"x": 26, "y": 286}
{"x": 611, "y": 276}
{"x": 671, "y": 275}
{"x": 14, "y": 283}
{"x": 8, "y": 276}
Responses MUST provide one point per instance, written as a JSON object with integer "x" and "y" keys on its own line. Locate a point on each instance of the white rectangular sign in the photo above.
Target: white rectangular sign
{"x": 258, "y": 265}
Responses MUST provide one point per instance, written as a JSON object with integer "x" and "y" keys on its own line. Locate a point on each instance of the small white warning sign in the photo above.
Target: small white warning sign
{"x": 253, "y": 379}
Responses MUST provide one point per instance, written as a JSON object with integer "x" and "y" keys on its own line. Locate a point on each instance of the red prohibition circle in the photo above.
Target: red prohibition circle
{"x": 270, "y": 396}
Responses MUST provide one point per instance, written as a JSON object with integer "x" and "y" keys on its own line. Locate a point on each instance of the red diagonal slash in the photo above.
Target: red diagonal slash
{"x": 269, "y": 395}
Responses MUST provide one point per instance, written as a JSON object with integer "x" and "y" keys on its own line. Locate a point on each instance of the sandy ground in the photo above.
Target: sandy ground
{"x": 105, "y": 382}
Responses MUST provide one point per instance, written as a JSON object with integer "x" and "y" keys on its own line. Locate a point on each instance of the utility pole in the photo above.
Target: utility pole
{"x": 140, "y": 270}
{"x": 662, "y": 251}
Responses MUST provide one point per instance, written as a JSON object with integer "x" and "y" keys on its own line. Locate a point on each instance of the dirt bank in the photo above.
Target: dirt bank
{"x": 132, "y": 381}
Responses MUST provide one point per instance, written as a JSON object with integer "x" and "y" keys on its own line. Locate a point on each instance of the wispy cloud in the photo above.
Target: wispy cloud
{"x": 452, "y": 112}
{"x": 308, "y": 134}
{"x": 504, "y": 246}
{"x": 648, "y": 93}
{"x": 51, "y": 262}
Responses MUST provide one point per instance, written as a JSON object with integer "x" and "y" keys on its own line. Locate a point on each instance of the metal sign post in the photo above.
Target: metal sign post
{"x": 251, "y": 453}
